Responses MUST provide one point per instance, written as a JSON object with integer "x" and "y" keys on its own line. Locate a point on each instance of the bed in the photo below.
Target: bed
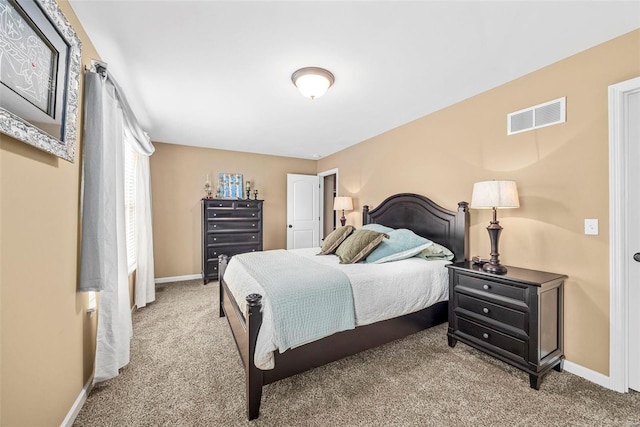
{"x": 245, "y": 318}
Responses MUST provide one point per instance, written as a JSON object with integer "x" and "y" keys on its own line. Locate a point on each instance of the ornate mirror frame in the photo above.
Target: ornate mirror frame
{"x": 19, "y": 128}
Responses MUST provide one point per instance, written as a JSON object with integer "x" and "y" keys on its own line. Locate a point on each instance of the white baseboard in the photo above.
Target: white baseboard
{"x": 588, "y": 374}
{"x": 77, "y": 405}
{"x": 177, "y": 278}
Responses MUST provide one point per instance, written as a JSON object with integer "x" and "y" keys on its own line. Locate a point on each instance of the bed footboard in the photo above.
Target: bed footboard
{"x": 244, "y": 327}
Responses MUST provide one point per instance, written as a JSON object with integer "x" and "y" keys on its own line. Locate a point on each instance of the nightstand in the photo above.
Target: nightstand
{"x": 516, "y": 317}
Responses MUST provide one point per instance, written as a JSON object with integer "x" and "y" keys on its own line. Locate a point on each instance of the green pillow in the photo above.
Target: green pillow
{"x": 358, "y": 245}
{"x": 333, "y": 240}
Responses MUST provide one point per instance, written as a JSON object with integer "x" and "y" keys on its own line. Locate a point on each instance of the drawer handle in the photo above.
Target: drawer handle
{"x": 215, "y": 238}
{"x": 485, "y": 310}
{"x": 248, "y": 205}
{"x": 253, "y": 250}
{"x": 215, "y": 225}
{"x": 253, "y": 214}
{"x": 220, "y": 204}
{"x": 485, "y": 287}
{"x": 485, "y": 336}
{"x": 215, "y": 214}
{"x": 253, "y": 237}
{"x": 253, "y": 225}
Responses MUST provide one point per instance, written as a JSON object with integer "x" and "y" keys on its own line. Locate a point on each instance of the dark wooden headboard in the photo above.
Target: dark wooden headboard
{"x": 426, "y": 219}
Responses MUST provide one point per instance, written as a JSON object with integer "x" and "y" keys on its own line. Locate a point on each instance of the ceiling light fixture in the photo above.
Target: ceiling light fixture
{"x": 312, "y": 82}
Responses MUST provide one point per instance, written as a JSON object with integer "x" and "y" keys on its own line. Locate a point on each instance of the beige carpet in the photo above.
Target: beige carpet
{"x": 185, "y": 371}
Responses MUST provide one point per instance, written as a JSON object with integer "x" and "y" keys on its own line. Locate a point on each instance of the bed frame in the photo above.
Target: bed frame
{"x": 411, "y": 211}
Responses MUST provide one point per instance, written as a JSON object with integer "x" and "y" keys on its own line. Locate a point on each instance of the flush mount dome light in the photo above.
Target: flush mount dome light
{"x": 312, "y": 82}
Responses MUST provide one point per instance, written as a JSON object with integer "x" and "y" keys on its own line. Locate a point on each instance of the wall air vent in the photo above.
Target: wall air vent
{"x": 538, "y": 116}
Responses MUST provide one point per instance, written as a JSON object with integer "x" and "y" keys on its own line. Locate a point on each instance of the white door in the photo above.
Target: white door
{"x": 632, "y": 131}
{"x": 303, "y": 211}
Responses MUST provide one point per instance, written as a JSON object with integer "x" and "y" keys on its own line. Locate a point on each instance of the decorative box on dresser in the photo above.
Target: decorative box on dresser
{"x": 516, "y": 317}
{"x": 229, "y": 227}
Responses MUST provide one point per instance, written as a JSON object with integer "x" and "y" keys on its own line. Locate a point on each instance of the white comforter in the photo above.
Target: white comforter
{"x": 380, "y": 292}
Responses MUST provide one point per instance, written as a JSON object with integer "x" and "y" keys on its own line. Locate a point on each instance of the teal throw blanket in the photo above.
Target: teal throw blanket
{"x": 308, "y": 300}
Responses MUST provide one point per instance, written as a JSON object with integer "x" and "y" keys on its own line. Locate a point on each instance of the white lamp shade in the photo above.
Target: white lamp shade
{"x": 312, "y": 82}
{"x": 495, "y": 194}
{"x": 342, "y": 203}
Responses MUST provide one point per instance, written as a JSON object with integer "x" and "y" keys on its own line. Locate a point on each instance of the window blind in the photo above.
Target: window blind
{"x": 130, "y": 160}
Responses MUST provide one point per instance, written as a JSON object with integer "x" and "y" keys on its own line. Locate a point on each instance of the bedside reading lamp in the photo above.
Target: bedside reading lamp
{"x": 494, "y": 195}
{"x": 343, "y": 203}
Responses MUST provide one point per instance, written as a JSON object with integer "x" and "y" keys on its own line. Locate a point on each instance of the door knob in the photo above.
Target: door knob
{"x": 290, "y": 226}
{"x": 636, "y": 256}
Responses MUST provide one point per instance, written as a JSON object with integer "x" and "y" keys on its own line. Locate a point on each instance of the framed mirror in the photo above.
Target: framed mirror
{"x": 39, "y": 76}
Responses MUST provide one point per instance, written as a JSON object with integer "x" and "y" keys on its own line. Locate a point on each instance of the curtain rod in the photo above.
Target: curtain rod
{"x": 97, "y": 66}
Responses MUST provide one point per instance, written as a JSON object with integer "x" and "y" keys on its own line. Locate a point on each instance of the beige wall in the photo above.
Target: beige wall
{"x": 177, "y": 179}
{"x": 47, "y": 342}
{"x": 561, "y": 171}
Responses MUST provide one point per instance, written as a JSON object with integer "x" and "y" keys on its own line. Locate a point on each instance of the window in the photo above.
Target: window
{"x": 130, "y": 161}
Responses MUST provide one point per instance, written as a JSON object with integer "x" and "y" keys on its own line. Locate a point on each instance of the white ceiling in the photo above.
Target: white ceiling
{"x": 218, "y": 73}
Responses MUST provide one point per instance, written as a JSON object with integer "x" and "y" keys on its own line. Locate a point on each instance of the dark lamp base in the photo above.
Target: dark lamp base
{"x": 494, "y": 268}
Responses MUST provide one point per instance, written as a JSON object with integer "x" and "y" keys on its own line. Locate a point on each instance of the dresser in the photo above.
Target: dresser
{"x": 516, "y": 317}
{"x": 229, "y": 227}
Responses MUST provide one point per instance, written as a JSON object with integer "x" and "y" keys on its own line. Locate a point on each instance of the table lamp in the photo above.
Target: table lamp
{"x": 494, "y": 195}
{"x": 343, "y": 203}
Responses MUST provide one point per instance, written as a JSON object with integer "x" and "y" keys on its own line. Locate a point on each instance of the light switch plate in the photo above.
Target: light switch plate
{"x": 591, "y": 227}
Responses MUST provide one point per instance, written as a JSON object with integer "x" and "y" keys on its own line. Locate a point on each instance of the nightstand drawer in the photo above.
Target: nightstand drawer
{"x": 496, "y": 341}
{"x": 492, "y": 313}
{"x": 488, "y": 288}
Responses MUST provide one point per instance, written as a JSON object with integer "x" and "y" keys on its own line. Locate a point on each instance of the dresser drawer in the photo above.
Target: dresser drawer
{"x": 213, "y": 213}
{"x": 232, "y": 226}
{"x": 225, "y": 239}
{"x": 496, "y": 341}
{"x": 488, "y": 288}
{"x": 211, "y": 269}
{"x": 502, "y": 317}
{"x": 247, "y": 204}
{"x": 219, "y": 204}
{"x": 215, "y": 251}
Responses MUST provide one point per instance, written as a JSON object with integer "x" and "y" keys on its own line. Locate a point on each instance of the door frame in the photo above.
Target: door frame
{"x": 333, "y": 171}
{"x": 619, "y": 261}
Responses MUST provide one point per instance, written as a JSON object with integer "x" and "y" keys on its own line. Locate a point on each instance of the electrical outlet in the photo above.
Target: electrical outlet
{"x": 591, "y": 227}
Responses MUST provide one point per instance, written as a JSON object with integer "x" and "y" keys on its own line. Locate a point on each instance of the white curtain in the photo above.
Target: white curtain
{"x": 103, "y": 258}
{"x": 145, "y": 281}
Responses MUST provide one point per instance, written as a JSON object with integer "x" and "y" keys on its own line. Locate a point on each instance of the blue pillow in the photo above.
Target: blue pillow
{"x": 401, "y": 244}
{"x": 378, "y": 228}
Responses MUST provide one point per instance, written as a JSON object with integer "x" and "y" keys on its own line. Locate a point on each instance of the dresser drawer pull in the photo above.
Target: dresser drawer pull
{"x": 485, "y": 287}
{"x": 215, "y": 214}
{"x": 485, "y": 310}
{"x": 253, "y": 237}
{"x": 253, "y": 225}
{"x": 253, "y": 214}
{"x": 215, "y": 238}
{"x": 253, "y": 250}
{"x": 248, "y": 205}
{"x": 215, "y": 225}
{"x": 220, "y": 204}
{"x": 485, "y": 336}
